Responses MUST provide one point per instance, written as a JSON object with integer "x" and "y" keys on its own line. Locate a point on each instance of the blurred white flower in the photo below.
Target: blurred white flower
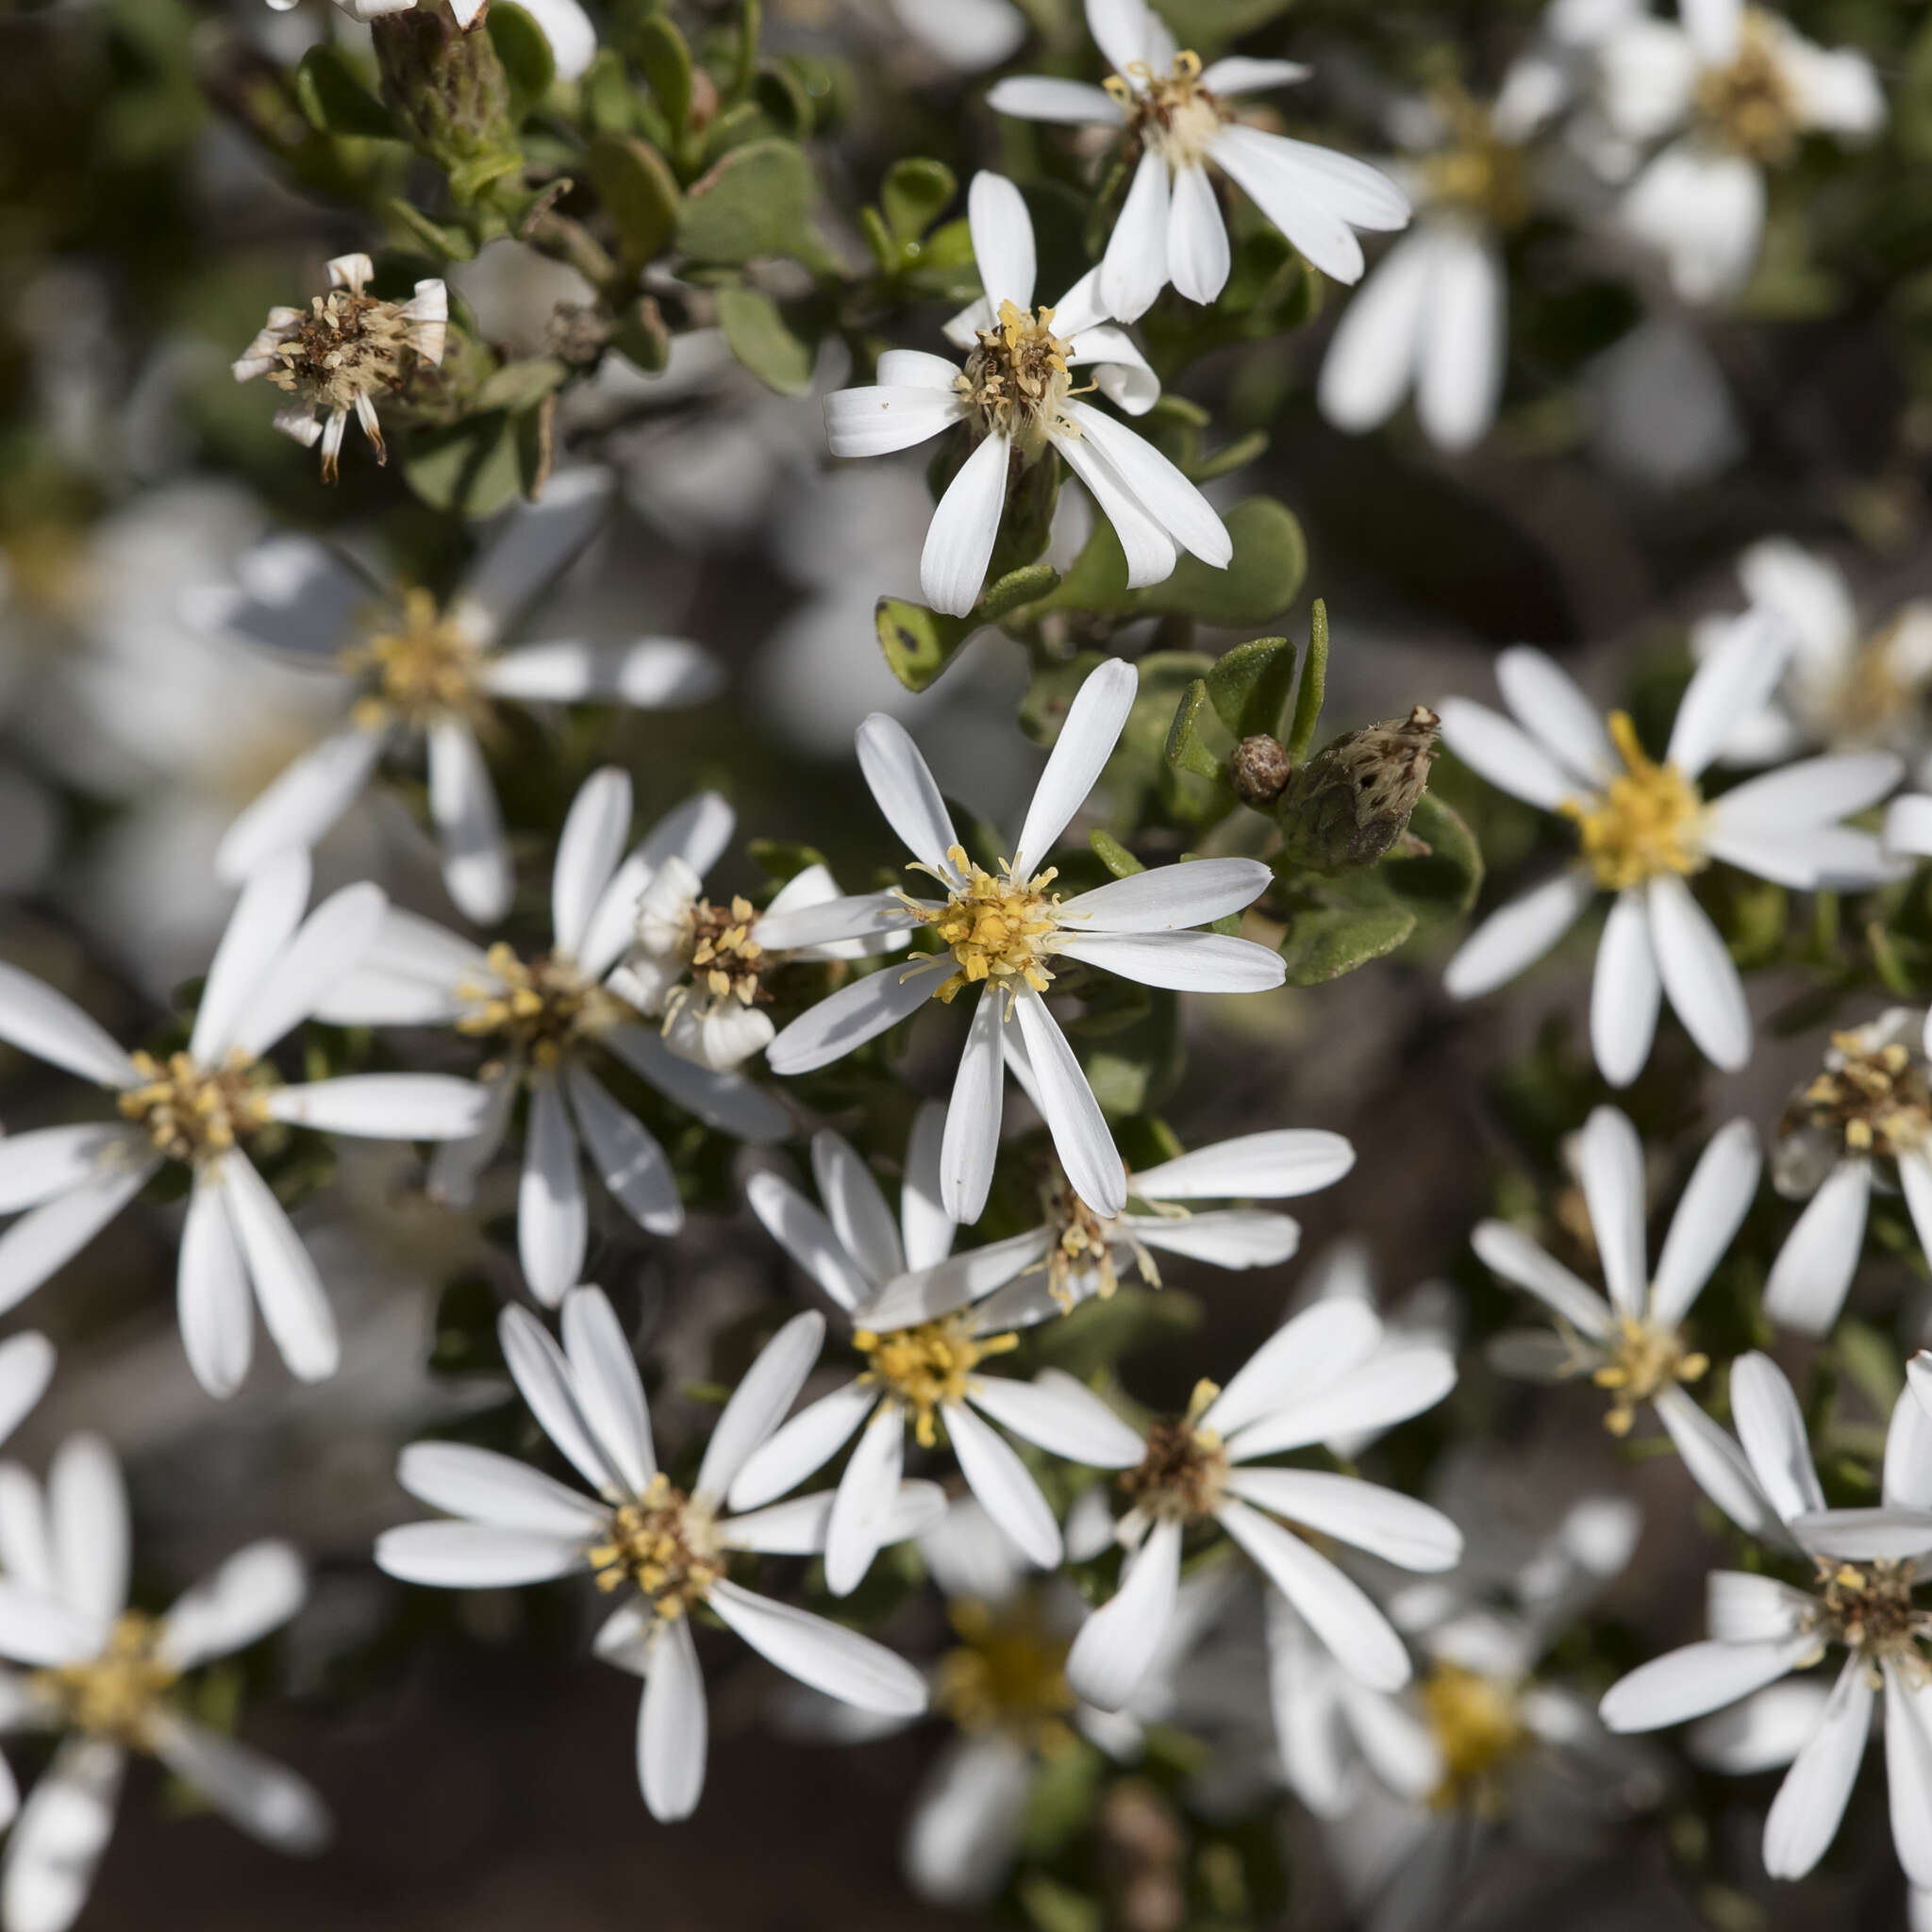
{"x": 1180, "y": 117}
{"x": 107, "y": 1680}
{"x": 670, "y": 1551}
{"x": 968, "y": 35}
{"x": 563, "y": 23}
{"x": 1646, "y": 828}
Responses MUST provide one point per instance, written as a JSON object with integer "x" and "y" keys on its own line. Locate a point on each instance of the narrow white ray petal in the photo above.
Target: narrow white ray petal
{"x": 1133, "y": 269}
{"x": 1770, "y": 1427}
{"x": 1735, "y": 681}
{"x": 1806, "y": 859}
{"x": 474, "y": 1555}
{"x": 1305, "y": 1355}
{"x": 87, "y": 1513}
{"x": 1915, "y": 1182}
{"x": 1241, "y": 74}
{"x": 760, "y": 1403}
{"x": 476, "y": 869}
{"x": 547, "y": 1383}
{"x": 51, "y": 1028}
{"x": 1545, "y": 700}
{"x": 533, "y": 542}
{"x": 553, "y": 1217}
{"x": 49, "y": 1237}
{"x": 1169, "y": 898}
{"x": 1517, "y": 935}
{"x": 1001, "y": 234}
{"x": 807, "y": 1236}
{"x": 26, "y": 1366}
{"x": 925, "y": 1228}
{"x": 1062, "y": 1416}
{"x": 1502, "y": 752}
{"x": 587, "y": 850}
{"x": 332, "y": 942}
{"x": 1197, "y": 248}
{"x": 1713, "y": 1207}
{"x": 1227, "y": 1237}
{"x": 1718, "y": 1466}
{"x": 1117, "y": 1645}
{"x": 727, "y": 1101}
{"x": 1908, "y": 1477}
{"x": 1613, "y": 1190}
{"x": 26, "y": 1544}
{"x": 1040, "y": 98}
{"x": 40, "y": 1627}
{"x": 1762, "y": 1732}
{"x": 902, "y": 788}
{"x": 1813, "y": 792}
{"x": 857, "y": 1209}
{"x": 1698, "y": 1678}
{"x": 288, "y": 1291}
{"x": 1804, "y": 1817}
{"x": 262, "y": 923}
{"x": 1700, "y": 977}
{"x": 59, "y": 1837}
{"x": 926, "y": 1294}
{"x": 803, "y": 1446}
{"x": 1908, "y": 1771}
{"x": 1317, "y": 198}
{"x": 967, "y": 1817}
{"x": 915, "y": 368}
{"x": 1371, "y": 355}
{"x": 863, "y": 1504}
{"x": 831, "y": 922}
{"x": 965, "y": 524}
{"x": 38, "y": 1166}
{"x": 698, "y": 831}
{"x": 626, "y": 1156}
{"x": 1080, "y": 1136}
{"x": 650, "y": 673}
{"x": 1512, "y": 1253}
{"x": 1185, "y": 961}
{"x": 262, "y": 1798}
{"x": 673, "y": 1726}
{"x": 1891, "y": 1533}
{"x": 1394, "y": 1384}
{"x": 1397, "y": 1528}
{"x": 1269, "y": 1166}
{"x": 856, "y": 1013}
{"x": 385, "y": 1107}
{"x": 300, "y": 807}
{"x": 971, "y": 1139}
{"x": 1150, "y": 552}
{"x": 877, "y": 419}
{"x": 609, "y": 1392}
{"x": 255, "y": 1590}
{"x": 1004, "y": 1485}
{"x": 455, "y": 1165}
{"x": 1626, "y": 991}
{"x": 1813, "y": 1270}
{"x": 1743, "y": 1607}
{"x": 1461, "y": 360}
{"x": 1173, "y": 503}
{"x": 838, "y": 1661}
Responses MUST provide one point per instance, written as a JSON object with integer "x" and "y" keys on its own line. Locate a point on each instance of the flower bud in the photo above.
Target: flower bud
{"x": 448, "y": 92}
{"x": 1258, "y": 769}
{"x": 1349, "y": 805}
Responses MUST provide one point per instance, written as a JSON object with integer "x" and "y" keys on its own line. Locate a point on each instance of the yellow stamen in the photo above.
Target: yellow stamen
{"x": 927, "y": 1367}
{"x": 996, "y": 925}
{"x": 191, "y": 1112}
{"x": 1647, "y": 820}
{"x": 663, "y": 1544}
{"x": 1478, "y": 1725}
{"x": 116, "y": 1694}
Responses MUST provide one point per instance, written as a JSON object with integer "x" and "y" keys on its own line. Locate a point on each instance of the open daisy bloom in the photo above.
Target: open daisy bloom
{"x": 547, "y": 1018}
{"x": 667, "y": 1551}
{"x": 1016, "y": 399}
{"x": 335, "y": 356}
{"x": 1315, "y": 1377}
{"x": 1864, "y": 1121}
{"x": 1633, "y": 1344}
{"x": 109, "y": 1680}
{"x": 1177, "y": 118}
{"x": 1736, "y": 91}
{"x": 563, "y": 23}
{"x": 429, "y": 674}
{"x": 1646, "y": 829}
{"x": 203, "y": 1109}
{"x": 1006, "y": 933}
{"x": 1866, "y": 1565}
{"x": 923, "y": 1373}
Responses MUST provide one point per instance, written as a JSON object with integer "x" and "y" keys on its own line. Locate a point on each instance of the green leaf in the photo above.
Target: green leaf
{"x": 1250, "y": 685}
{"x": 604, "y": 89}
{"x": 1136, "y": 1067}
{"x": 1208, "y": 26}
{"x": 640, "y": 192}
{"x": 756, "y": 203}
{"x": 760, "y": 340}
{"x": 1312, "y": 688}
{"x": 474, "y": 468}
{"x": 1869, "y": 1361}
{"x": 334, "y": 100}
{"x": 1113, "y": 854}
{"x": 1326, "y": 941}
{"x": 469, "y": 179}
{"x": 919, "y": 643}
{"x": 664, "y": 55}
{"x": 528, "y": 65}
{"x": 522, "y": 385}
{"x": 642, "y": 336}
{"x": 1185, "y": 749}
{"x": 442, "y": 239}
{"x": 1231, "y": 456}
{"x": 1026, "y": 584}
{"x": 1443, "y": 882}
{"x": 915, "y": 193}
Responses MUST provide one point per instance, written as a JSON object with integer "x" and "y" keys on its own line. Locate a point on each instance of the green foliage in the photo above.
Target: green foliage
{"x": 640, "y": 194}
{"x": 760, "y": 339}
{"x": 756, "y": 202}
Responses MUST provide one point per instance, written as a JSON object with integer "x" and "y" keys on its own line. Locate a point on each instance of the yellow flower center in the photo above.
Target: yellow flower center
{"x": 995, "y": 926}
{"x": 1084, "y": 1244}
{"x": 1478, "y": 1725}
{"x": 1646, "y": 822}
{"x": 1872, "y": 698}
{"x": 1007, "y": 1673}
{"x": 1868, "y": 1608}
{"x": 113, "y": 1695}
{"x": 1184, "y": 1466}
{"x": 1878, "y": 1100}
{"x": 1477, "y": 168}
{"x": 1170, "y": 113}
{"x": 1016, "y": 379}
{"x": 1750, "y": 105}
{"x": 928, "y": 1366}
{"x": 1643, "y": 1359}
{"x": 723, "y": 959}
{"x": 422, "y": 670}
{"x": 191, "y": 1112}
{"x": 664, "y": 1545}
{"x": 539, "y": 1008}
{"x": 348, "y": 347}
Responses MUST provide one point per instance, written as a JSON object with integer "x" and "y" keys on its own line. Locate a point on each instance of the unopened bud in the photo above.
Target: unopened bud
{"x": 448, "y": 92}
{"x": 1259, "y": 769}
{"x": 1349, "y": 805}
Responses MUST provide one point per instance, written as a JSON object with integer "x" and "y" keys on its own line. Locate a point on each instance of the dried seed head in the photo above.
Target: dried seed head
{"x": 1350, "y": 804}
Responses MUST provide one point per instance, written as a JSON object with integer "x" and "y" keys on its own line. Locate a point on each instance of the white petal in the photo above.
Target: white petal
{"x": 332, "y": 942}
{"x": 697, "y": 832}
{"x": 1891, "y": 1533}
{"x": 1713, "y": 1207}
{"x": 547, "y": 1383}
{"x": 673, "y": 1726}
{"x": 1700, "y": 977}
{"x": 1117, "y": 1645}
{"x": 1173, "y": 503}
{"x": 856, "y": 1207}
{"x": 760, "y": 1403}
{"x": 1394, "y": 1384}
{"x": 1397, "y": 1528}
{"x": 57, "y": 1840}
{"x": 263, "y": 1798}
{"x": 1770, "y": 1427}
{"x": 1303, "y": 1356}
{"x": 1197, "y": 248}
{"x": 650, "y": 673}
{"x": 1762, "y": 1732}
{"x": 1238, "y": 74}
{"x": 498, "y": 1493}
{"x": 300, "y": 807}
{"x": 1002, "y": 240}
{"x": 1149, "y": 550}
{"x": 627, "y": 1158}
{"x": 51, "y": 1028}
{"x": 608, "y": 1390}
{"x": 1718, "y": 1466}
{"x": 1804, "y": 1817}
{"x": 1315, "y": 196}
{"x": 926, "y": 1294}
{"x": 288, "y": 1290}
{"x": 255, "y": 1590}
{"x": 1813, "y": 1270}
{"x": 863, "y": 1504}
{"x": 1908, "y": 1773}
{"x": 387, "y": 1107}
{"x": 1517, "y": 935}
{"x": 1170, "y": 897}
{"x": 1062, "y": 1416}
{"x": 474, "y": 1555}
{"x": 1186, "y": 962}
{"x": 38, "y": 1627}
{"x": 1612, "y": 1165}
{"x": 803, "y": 1446}
{"x": 726, "y": 1101}
{"x": 1545, "y": 698}
{"x": 806, "y": 1236}
{"x": 1700, "y": 1678}
{"x": 476, "y": 869}
{"x": 1512, "y": 1253}
{"x": 1907, "y": 1481}
{"x": 533, "y": 542}
{"x": 960, "y": 540}
{"x": 1704, "y": 210}
{"x": 1811, "y": 792}
{"x": 262, "y": 923}
{"x": 838, "y": 1661}
{"x": 1625, "y": 992}
{"x": 856, "y": 1013}
{"x": 26, "y": 1547}
{"x": 54, "y": 1161}
{"x": 1004, "y": 1485}
{"x": 830, "y": 923}
{"x": 1371, "y": 355}
{"x": 876, "y": 420}
{"x": 972, "y": 1137}
{"x": 1335, "y": 1608}
{"x": 902, "y": 788}
{"x": 455, "y": 1165}
{"x": 1742, "y": 1606}
{"x": 967, "y": 1816}
{"x": 1040, "y": 98}
{"x": 1230, "y": 1238}
{"x": 1269, "y": 1166}
{"x": 1460, "y": 378}
{"x": 48, "y": 1238}
{"x": 1080, "y": 1136}
{"x": 1133, "y": 269}
{"x": 1504, "y": 754}
{"x": 587, "y": 854}
{"x": 926, "y": 1230}
{"x": 86, "y": 1511}
{"x": 552, "y": 1218}
{"x": 26, "y": 1366}
{"x": 1734, "y": 682}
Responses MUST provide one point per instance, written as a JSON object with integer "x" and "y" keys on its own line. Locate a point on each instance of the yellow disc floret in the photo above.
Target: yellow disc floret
{"x": 1647, "y": 821}
{"x": 996, "y": 925}
{"x": 1751, "y": 107}
{"x": 1172, "y": 113}
{"x": 1184, "y": 1466}
{"x": 1477, "y": 1725}
{"x": 423, "y": 669}
{"x": 928, "y": 1367}
{"x": 1477, "y": 168}
{"x": 1016, "y": 379}
{"x": 1876, "y": 1099}
{"x": 191, "y": 1112}
{"x": 1868, "y": 1608}
{"x": 113, "y": 1695}
{"x": 1007, "y": 1673}
{"x": 1643, "y": 1357}
{"x": 537, "y": 1007}
{"x": 665, "y": 1545}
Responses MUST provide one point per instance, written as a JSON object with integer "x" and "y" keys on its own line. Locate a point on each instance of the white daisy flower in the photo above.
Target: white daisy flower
{"x": 335, "y": 356}
{"x": 1867, "y": 1563}
{"x": 420, "y": 672}
{"x": 669, "y": 1550}
{"x": 1178, "y": 117}
{"x": 1646, "y": 829}
{"x": 920, "y": 1374}
{"x": 547, "y": 1016}
{"x": 201, "y": 1109}
{"x": 1631, "y": 1344}
{"x": 563, "y": 23}
{"x": 1314, "y": 1377}
{"x": 1015, "y": 396}
{"x": 969, "y": 36}
{"x": 1865, "y": 1121}
{"x": 108, "y": 1680}
{"x": 701, "y": 968}
{"x": 1733, "y": 90}
{"x": 1845, "y": 687}
{"x": 1004, "y": 932}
